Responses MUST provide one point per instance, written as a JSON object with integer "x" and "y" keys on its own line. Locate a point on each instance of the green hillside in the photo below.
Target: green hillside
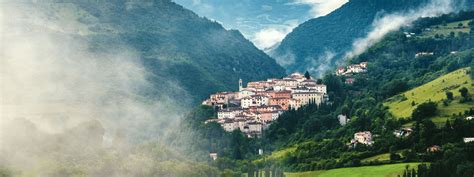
{"x": 187, "y": 57}
{"x": 313, "y": 42}
{"x": 278, "y": 155}
{"x": 401, "y": 105}
{"x": 368, "y": 171}
{"x": 394, "y": 68}
{"x": 381, "y": 158}
{"x": 310, "y": 42}
{"x": 446, "y": 29}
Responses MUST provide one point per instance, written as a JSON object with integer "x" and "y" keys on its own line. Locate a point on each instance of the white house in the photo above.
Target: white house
{"x": 363, "y": 138}
{"x": 228, "y": 113}
{"x": 276, "y": 114}
{"x": 246, "y": 92}
{"x": 254, "y": 100}
{"x": 309, "y": 97}
{"x": 468, "y": 140}
{"x": 229, "y": 125}
{"x": 290, "y": 83}
{"x": 301, "y": 89}
{"x": 404, "y": 132}
{"x": 295, "y": 104}
{"x": 213, "y": 155}
{"x": 420, "y": 54}
{"x": 255, "y": 127}
{"x": 298, "y": 77}
{"x": 342, "y": 119}
{"x": 321, "y": 88}
{"x": 278, "y": 87}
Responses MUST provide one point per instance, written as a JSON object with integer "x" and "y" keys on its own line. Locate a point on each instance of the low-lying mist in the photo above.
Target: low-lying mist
{"x": 69, "y": 110}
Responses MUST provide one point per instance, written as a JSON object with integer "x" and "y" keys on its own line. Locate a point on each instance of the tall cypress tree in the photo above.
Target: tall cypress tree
{"x": 307, "y": 75}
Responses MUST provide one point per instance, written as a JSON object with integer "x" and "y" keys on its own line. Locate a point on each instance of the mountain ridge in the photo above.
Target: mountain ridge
{"x": 184, "y": 54}
{"x": 307, "y": 46}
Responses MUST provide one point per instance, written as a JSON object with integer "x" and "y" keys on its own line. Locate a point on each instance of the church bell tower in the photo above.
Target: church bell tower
{"x": 240, "y": 85}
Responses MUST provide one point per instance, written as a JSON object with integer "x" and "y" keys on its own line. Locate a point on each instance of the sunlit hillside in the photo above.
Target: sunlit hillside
{"x": 401, "y": 106}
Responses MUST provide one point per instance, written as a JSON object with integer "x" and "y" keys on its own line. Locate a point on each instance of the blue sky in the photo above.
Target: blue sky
{"x": 265, "y": 22}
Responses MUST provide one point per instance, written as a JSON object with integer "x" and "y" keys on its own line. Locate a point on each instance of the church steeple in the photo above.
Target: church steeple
{"x": 240, "y": 85}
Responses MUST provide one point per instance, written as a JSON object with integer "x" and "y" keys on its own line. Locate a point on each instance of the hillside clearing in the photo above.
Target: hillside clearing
{"x": 277, "y": 155}
{"x": 400, "y": 106}
{"x": 380, "y": 158}
{"x": 447, "y": 29}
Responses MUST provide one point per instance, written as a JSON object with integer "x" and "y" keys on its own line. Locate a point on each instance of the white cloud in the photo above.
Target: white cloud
{"x": 271, "y": 36}
{"x": 267, "y": 8}
{"x": 392, "y": 22}
{"x": 321, "y": 7}
{"x": 268, "y": 37}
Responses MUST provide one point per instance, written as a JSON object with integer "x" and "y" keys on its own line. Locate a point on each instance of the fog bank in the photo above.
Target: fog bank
{"x": 66, "y": 105}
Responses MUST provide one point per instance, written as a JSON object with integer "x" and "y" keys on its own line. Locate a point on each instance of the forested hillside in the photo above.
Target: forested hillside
{"x": 187, "y": 56}
{"x": 93, "y": 87}
{"x": 321, "y": 42}
{"x": 396, "y": 64}
{"x": 312, "y": 138}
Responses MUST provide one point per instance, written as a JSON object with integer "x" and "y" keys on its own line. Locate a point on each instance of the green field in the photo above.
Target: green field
{"x": 391, "y": 170}
{"x": 380, "y": 158}
{"x": 277, "y": 155}
{"x": 400, "y": 106}
{"x": 446, "y": 30}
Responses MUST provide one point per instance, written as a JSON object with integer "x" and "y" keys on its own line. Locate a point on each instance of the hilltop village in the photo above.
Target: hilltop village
{"x": 254, "y": 107}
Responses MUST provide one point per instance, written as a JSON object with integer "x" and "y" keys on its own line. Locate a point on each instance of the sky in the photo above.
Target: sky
{"x": 264, "y": 22}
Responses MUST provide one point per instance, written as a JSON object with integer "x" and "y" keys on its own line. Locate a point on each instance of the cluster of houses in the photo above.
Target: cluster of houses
{"x": 409, "y": 34}
{"x": 351, "y": 70}
{"x": 254, "y": 107}
{"x": 364, "y": 138}
{"x": 404, "y": 132}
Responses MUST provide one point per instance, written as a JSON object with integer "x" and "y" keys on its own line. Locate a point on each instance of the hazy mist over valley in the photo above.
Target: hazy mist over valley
{"x": 267, "y": 88}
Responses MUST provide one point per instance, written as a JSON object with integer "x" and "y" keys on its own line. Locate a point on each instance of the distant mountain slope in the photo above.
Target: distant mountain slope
{"x": 318, "y": 43}
{"x": 188, "y": 56}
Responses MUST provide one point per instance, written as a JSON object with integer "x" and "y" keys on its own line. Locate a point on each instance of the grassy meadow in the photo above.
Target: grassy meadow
{"x": 446, "y": 30}
{"x": 391, "y": 170}
{"x": 400, "y": 106}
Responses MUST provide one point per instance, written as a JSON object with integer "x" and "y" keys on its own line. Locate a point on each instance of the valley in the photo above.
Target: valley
{"x": 386, "y": 107}
{"x": 375, "y": 88}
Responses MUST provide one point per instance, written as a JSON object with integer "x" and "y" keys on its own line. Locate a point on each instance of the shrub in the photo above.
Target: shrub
{"x": 424, "y": 110}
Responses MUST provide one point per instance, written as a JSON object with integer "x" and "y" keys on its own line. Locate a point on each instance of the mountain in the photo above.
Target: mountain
{"x": 404, "y": 72}
{"x": 187, "y": 56}
{"x": 319, "y": 43}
